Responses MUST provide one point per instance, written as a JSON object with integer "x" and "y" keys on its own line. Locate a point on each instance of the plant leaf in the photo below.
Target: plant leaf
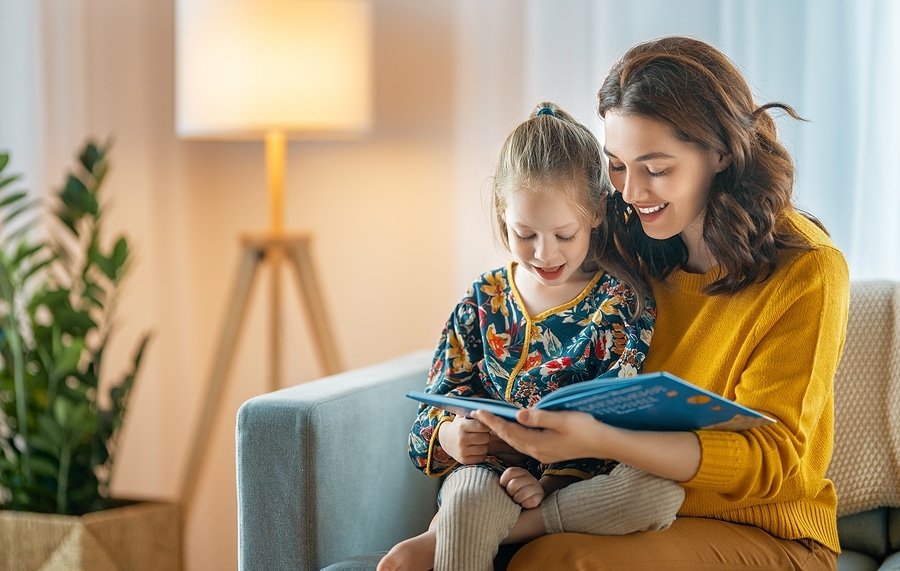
{"x": 14, "y": 196}
{"x": 91, "y": 156}
{"x": 78, "y": 198}
{"x": 43, "y": 467}
{"x": 105, "y": 264}
{"x": 57, "y": 442}
{"x": 65, "y": 361}
{"x": 120, "y": 255}
{"x": 12, "y": 215}
{"x": 42, "y": 443}
{"x": 52, "y": 433}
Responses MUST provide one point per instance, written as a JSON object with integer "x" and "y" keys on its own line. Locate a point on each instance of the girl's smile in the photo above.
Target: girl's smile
{"x": 549, "y": 274}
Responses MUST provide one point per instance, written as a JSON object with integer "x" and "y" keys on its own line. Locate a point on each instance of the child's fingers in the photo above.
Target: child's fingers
{"x": 472, "y": 425}
{"x": 509, "y": 474}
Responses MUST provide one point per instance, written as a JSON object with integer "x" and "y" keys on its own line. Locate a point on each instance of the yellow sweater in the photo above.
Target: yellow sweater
{"x": 773, "y": 347}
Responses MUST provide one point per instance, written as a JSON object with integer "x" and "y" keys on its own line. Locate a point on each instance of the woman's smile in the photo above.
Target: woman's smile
{"x": 651, "y": 209}
{"x": 648, "y": 214}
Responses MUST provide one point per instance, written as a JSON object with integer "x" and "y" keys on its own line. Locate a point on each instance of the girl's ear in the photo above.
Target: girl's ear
{"x": 597, "y": 221}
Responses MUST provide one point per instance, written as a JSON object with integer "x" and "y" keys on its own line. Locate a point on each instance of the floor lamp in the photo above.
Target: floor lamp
{"x": 270, "y": 70}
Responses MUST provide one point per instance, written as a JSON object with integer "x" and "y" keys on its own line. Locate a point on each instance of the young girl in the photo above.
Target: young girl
{"x": 565, "y": 310}
{"x": 754, "y": 297}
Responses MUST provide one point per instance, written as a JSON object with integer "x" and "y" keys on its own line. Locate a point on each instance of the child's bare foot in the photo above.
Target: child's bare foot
{"x": 413, "y": 554}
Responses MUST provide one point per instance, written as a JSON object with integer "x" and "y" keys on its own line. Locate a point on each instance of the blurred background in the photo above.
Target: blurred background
{"x": 397, "y": 217}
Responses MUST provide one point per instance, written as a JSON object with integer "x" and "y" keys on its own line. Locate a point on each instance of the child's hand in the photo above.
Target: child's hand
{"x": 522, "y": 487}
{"x": 466, "y": 440}
{"x": 506, "y": 453}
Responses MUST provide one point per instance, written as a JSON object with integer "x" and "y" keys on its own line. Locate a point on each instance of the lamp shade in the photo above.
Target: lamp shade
{"x": 246, "y": 68}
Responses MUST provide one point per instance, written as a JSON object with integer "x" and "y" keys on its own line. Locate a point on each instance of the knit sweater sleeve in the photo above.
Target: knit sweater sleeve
{"x": 790, "y": 356}
{"x": 454, "y": 370}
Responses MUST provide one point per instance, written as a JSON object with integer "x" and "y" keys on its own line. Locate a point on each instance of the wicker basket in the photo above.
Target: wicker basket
{"x": 139, "y": 536}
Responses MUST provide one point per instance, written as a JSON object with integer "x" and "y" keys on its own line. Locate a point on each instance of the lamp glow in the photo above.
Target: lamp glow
{"x": 245, "y": 68}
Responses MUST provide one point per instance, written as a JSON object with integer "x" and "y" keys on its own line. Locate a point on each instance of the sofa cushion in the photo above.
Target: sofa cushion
{"x": 894, "y": 528}
{"x": 854, "y": 561}
{"x": 892, "y": 563}
{"x": 865, "y": 467}
{"x": 865, "y": 532}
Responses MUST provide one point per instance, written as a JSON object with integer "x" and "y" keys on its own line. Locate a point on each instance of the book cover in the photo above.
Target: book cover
{"x": 650, "y": 401}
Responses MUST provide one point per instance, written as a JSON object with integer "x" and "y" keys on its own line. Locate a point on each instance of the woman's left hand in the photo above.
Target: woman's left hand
{"x": 557, "y": 436}
{"x": 549, "y": 436}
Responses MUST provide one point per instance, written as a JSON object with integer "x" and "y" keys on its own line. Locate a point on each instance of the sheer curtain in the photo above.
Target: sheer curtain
{"x": 834, "y": 61}
{"x": 44, "y": 86}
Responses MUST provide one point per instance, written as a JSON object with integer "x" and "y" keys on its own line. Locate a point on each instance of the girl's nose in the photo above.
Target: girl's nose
{"x": 544, "y": 249}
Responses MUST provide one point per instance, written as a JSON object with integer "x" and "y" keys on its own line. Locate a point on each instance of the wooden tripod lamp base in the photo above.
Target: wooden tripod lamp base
{"x": 275, "y": 90}
{"x": 275, "y": 249}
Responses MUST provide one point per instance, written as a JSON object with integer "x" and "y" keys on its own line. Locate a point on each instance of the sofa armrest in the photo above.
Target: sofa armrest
{"x": 322, "y": 468}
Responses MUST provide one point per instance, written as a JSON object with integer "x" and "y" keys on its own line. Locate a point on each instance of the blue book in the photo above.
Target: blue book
{"x": 651, "y": 401}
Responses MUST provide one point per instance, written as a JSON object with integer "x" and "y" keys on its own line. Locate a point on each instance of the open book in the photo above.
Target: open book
{"x": 651, "y": 401}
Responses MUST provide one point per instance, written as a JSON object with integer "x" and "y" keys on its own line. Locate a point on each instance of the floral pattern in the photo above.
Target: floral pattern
{"x": 490, "y": 347}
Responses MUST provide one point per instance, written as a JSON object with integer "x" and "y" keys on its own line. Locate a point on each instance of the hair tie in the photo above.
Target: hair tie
{"x": 545, "y": 111}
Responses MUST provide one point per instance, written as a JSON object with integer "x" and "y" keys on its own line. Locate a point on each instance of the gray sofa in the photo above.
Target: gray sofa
{"x": 323, "y": 474}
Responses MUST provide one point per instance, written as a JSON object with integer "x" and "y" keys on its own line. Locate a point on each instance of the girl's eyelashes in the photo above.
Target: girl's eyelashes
{"x": 532, "y": 236}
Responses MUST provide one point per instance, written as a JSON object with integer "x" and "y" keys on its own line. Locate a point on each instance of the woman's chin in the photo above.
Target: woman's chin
{"x": 658, "y": 235}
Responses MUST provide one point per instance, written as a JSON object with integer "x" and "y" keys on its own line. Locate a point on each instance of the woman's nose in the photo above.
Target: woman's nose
{"x": 629, "y": 189}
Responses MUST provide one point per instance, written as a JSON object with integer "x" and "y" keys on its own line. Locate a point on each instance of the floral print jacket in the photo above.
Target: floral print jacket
{"x": 491, "y": 348}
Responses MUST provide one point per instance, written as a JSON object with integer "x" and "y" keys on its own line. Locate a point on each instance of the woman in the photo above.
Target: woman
{"x": 752, "y": 301}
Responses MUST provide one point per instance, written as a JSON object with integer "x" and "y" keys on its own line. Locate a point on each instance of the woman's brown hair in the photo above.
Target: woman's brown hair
{"x": 696, "y": 90}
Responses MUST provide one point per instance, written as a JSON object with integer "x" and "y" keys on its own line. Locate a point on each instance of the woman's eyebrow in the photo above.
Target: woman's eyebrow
{"x": 646, "y": 157}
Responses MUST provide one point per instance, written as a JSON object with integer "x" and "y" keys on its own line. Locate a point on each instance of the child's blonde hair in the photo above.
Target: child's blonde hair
{"x": 551, "y": 146}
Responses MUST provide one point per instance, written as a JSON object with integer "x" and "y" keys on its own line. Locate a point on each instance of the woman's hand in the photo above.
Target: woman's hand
{"x": 549, "y": 436}
{"x": 466, "y": 440}
{"x": 557, "y": 436}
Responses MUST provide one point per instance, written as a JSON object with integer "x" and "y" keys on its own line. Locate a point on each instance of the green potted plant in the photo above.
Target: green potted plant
{"x": 59, "y": 419}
